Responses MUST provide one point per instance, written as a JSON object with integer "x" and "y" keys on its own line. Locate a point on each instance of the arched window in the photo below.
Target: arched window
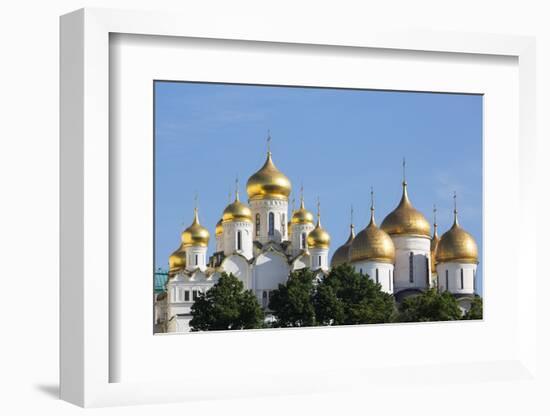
{"x": 239, "y": 240}
{"x": 319, "y": 261}
{"x": 462, "y": 278}
{"x": 257, "y": 225}
{"x": 283, "y": 223}
{"x": 196, "y": 259}
{"x": 303, "y": 241}
{"x": 411, "y": 275}
{"x": 377, "y": 279}
{"x": 389, "y": 279}
{"x": 427, "y": 272}
{"x": 447, "y": 280}
{"x": 271, "y": 223}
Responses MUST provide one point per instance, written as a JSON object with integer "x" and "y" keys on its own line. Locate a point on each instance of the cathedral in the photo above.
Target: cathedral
{"x": 261, "y": 245}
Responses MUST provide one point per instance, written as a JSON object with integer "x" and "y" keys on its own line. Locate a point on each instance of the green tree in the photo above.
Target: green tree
{"x": 292, "y": 302}
{"x": 476, "y": 309}
{"x": 346, "y": 297}
{"x": 226, "y": 306}
{"x": 429, "y": 306}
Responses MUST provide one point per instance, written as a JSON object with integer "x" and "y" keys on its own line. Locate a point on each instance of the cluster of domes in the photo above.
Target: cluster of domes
{"x": 375, "y": 244}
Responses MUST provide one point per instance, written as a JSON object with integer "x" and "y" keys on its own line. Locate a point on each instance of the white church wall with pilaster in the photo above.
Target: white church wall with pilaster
{"x": 261, "y": 210}
{"x": 378, "y": 272}
{"x": 299, "y": 237}
{"x": 231, "y": 241}
{"x": 240, "y": 268}
{"x": 196, "y": 257}
{"x": 457, "y": 278}
{"x": 319, "y": 258}
{"x": 269, "y": 270}
{"x": 417, "y": 276}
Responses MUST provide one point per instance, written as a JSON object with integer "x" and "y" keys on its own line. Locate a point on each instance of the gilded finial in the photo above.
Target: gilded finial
{"x": 404, "y": 172}
{"x": 269, "y": 141}
{"x": 351, "y": 216}
{"x": 455, "y": 212}
{"x": 302, "y": 196}
{"x": 318, "y": 212}
{"x": 196, "y": 209}
{"x": 237, "y": 187}
{"x": 372, "y": 205}
{"x": 435, "y": 216}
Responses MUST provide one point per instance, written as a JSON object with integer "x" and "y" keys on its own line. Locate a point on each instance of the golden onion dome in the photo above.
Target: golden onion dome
{"x": 372, "y": 244}
{"x": 341, "y": 255}
{"x": 177, "y": 260}
{"x": 268, "y": 183}
{"x": 237, "y": 211}
{"x": 456, "y": 245}
{"x": 195, "y": 234}
{"x": 405, "y": 219}
{"x": 219, "y": 228}
{"x": 318, "y": 237}
{"x": 302, "y": 215}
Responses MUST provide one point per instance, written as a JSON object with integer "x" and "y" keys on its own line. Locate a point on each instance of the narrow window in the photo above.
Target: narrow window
{"x": 319, "y": 261}
{"x": 196, "y": 259}
{"x": 462, "y": 278}
{"x": 389, "y": 279}
{"x": 411, "y": 259}
{"x": 475, "y": 285}
{"x": 195, "y": 294}
{"x": 271, "y": 223}
{"x": 264, "y": 299}
{"x": 377, "y": 279}
{"x": 427, "y": 272}
{"x": 303, "y": 241}
{"x": 361, "y": 271}
{"x": 257, "y": 225}
{"x": 186, "y": 296}
{"x": 447, "y": 280}
{"x": 239, "y": 240}
{"x": 283, "y": 224}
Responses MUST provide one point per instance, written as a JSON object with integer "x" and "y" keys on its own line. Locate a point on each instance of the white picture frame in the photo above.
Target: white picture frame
{"x": 87, "y": 302}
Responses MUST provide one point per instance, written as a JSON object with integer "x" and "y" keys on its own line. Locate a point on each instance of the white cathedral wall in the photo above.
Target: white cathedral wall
{"x": 420, "y": 249}
{"x": 385, "y": 273}
{"x": 296, "y": 239}
{"x": 319, "y": 258}
{"x": 240, "y": 268}
{"x": 230, "y": 230}
{"x": 219, "y": 243}
{"x": 454, "y": 282}
{"x": 268, "y": 271}
{"x": 263, "y": 207}
{"x": 301, "y": 262}
{"x": 196, "y": 257}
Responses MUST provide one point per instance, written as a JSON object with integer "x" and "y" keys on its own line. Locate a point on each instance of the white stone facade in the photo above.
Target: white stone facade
{"x": 379, "y": 272}
{"x": 412, "y": 262}
{"x": 270, "y": 218}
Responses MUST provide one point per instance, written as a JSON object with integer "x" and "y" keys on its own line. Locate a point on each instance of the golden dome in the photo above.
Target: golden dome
{"x": 456, "y": 245}
{"x": 177, "y": 260}
{"x": 372, "y": 244}
{"x": 219, "y": 228}
{"x": 237, "y": 211}
{"x": 268, "y": 182}
{"x": 318, "y": 238}
{"x": 195, "y": 234}
{"x": 341, "y": 255}
{"x": 405, "y": 219}
{"x": 302, "y": 215}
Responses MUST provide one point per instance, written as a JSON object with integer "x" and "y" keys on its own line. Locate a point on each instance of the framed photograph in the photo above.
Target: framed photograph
{"x": 233, "y": 206}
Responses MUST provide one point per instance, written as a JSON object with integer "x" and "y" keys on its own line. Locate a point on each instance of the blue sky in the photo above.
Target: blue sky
{"x": 337, "y": 143}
